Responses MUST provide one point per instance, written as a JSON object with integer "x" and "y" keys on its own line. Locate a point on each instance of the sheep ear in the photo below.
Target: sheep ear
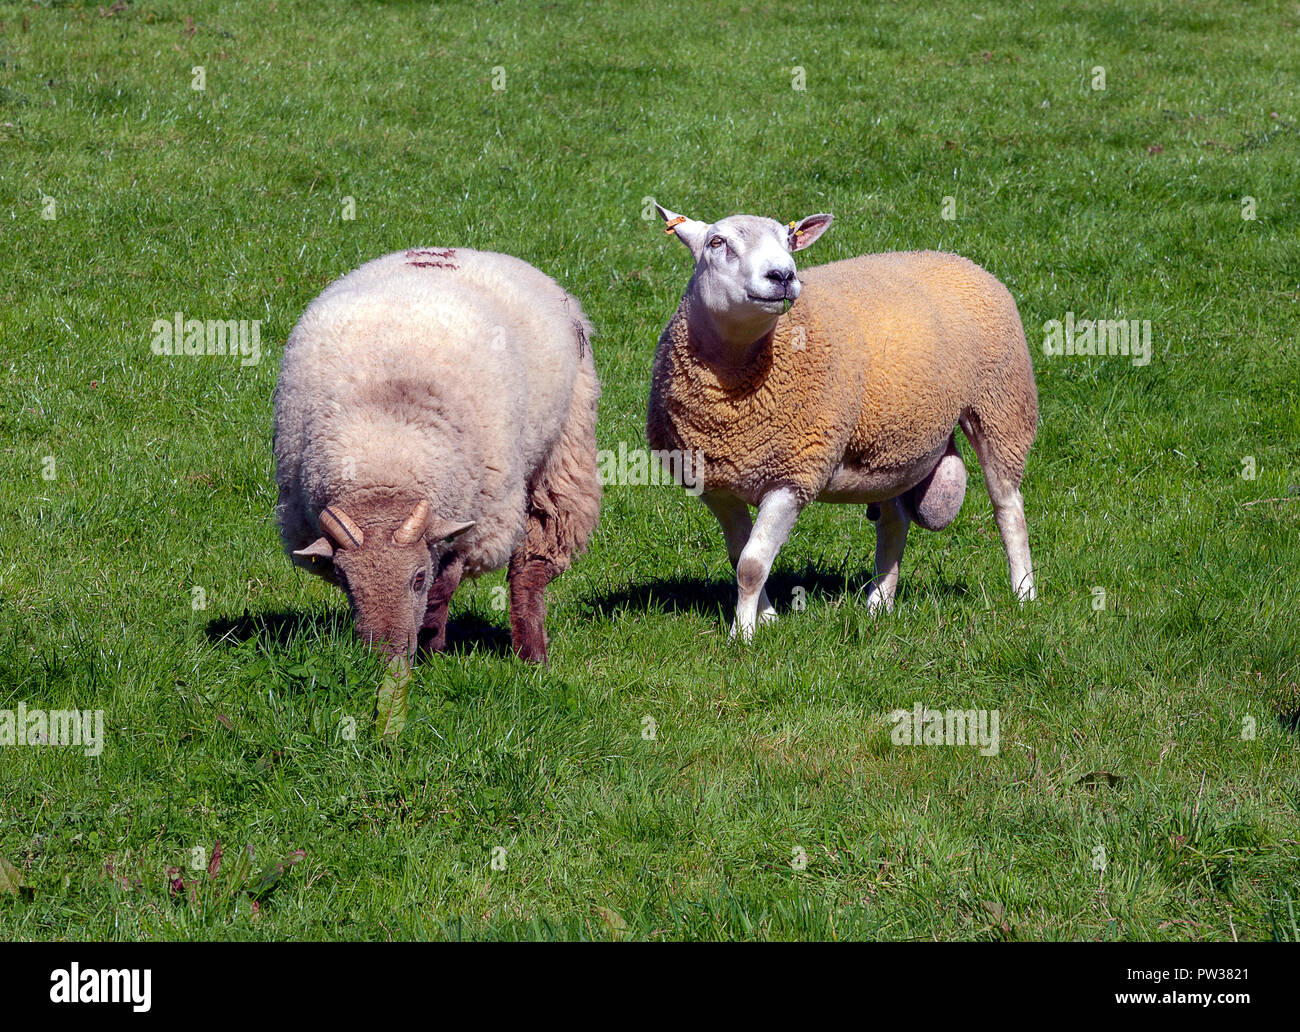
{"x": 688, "y": 231}
{"x": 321, "y": 548}
{"x": 317, "y": 557}
{"x": 808, "y": 230}
{"x": 445, "y": 530}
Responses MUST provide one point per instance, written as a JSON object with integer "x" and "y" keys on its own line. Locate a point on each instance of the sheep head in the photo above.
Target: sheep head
{"x": 385, "y": 570}
{"x": 744, "y": 273}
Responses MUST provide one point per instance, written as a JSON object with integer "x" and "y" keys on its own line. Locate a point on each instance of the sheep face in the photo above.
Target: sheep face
{"x": 386, "y": 573}
{"x": 744, "y": 273}
{"x": 387, "y": 586}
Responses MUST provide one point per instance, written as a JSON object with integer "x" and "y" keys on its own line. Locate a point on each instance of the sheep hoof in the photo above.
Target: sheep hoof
{"x": 877, "y": 602}
{"x": 738, "y": 630}
{"x": 531, "y": 652}
{"x": 744, "y": 634}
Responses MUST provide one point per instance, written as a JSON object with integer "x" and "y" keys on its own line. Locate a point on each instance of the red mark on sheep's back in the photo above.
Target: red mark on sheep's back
{"x": 431, "y": 258}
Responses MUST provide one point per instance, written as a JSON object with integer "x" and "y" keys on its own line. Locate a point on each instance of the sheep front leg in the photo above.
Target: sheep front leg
{"x": 777, "y": 512}
{"x": 891, "y": 537}
{"x": 434, "y": 628}
{"x": 733, "y": 515}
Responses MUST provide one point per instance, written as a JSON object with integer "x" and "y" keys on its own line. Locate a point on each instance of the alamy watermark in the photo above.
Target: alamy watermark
{"x": 922, "y": 726}
{"x": 238, "y": 338}
{"x": 1098, "y": 337}
{"x": 108, "y": 985}
{"x": 640, "y": 467}
{"x": 53, "y": 727}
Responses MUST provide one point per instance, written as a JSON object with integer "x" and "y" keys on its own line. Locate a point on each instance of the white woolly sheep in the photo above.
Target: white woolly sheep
{"x": 438, "y": 395}
{"x": 845, "y": 387}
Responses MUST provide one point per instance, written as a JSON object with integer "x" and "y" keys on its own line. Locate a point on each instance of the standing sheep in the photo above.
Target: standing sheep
{"x": 852, "y": 395}
{"x": 438, "y": 396}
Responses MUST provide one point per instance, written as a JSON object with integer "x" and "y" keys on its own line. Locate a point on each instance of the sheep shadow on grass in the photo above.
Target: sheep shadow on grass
{"x": 466, "y": 631}
{"x": 714, "y": 597}
{"x": 277, "y": 629}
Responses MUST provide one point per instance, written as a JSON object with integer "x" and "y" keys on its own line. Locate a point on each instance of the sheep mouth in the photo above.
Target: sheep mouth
{"x": 779, "y": 299}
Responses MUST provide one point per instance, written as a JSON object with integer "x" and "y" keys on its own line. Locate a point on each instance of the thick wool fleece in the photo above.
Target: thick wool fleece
{"x": 451, "y": 375}
{"x": 856, "y": 392}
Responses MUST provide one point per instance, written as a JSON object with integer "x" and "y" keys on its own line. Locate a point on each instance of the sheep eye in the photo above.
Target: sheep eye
{"x": 418, "y": 583}
{"x": 717, "y": 241}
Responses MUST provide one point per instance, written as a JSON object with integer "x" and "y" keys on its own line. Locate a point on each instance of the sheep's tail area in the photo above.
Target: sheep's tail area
{"x": 564, "y": 497}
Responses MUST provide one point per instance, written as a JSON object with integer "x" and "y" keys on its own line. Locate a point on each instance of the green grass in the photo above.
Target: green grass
{"x": 228, "y": 722}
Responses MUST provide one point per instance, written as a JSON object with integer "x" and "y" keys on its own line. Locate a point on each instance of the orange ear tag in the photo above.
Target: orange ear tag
{"x": 672, "y": 226}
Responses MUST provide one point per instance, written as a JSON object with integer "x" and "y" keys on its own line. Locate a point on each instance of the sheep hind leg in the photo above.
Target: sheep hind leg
{"x": 733, "y": 515}
{"x": 528, "y": 577}
{"x": 891, "y": 539}
{"x": 1002, "y": 476}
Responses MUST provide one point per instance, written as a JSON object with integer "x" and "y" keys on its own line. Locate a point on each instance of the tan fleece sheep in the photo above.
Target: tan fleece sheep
{"x": 438, "y": 394}
{"x": 843, "y": 383}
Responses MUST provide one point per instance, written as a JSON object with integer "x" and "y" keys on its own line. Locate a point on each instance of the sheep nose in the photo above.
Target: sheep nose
{"x": 781, "y": 276}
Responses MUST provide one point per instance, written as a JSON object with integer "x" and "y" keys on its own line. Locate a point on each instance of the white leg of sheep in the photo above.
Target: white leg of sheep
{"x": 1009, "y": 512}
{"x": 733, "y": 514}
{"x": 777, "y": 512}
{"x": 1008, "y": 508}
{"x": 891, "y": 538}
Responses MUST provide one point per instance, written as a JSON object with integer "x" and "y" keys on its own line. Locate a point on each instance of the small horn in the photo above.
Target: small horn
{"x": 413, "y": 529}
{"x": 338, "y": 525}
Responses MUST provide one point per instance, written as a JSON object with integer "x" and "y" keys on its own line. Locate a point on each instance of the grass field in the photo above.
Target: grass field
{"x": 1146, "y": 785}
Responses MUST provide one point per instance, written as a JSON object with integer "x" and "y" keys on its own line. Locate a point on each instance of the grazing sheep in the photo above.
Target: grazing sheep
{"x": 438, "y": 396}
{"x": 851, "y": 395}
